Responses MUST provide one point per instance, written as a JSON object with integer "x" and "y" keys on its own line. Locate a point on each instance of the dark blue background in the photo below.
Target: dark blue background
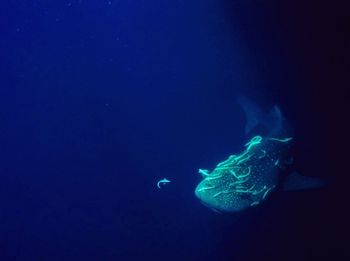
{"x": 100, "y": 99}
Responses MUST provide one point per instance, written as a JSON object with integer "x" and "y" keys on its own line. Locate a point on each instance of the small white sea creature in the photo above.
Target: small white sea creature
{"x": 162, "y": 181}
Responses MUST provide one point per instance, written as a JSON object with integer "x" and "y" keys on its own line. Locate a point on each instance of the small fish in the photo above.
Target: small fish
{"x": 245, "y": 180}
{"x": 162, "y": 182}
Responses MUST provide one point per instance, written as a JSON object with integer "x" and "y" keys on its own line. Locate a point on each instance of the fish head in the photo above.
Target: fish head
{"x": 218, "y": 198}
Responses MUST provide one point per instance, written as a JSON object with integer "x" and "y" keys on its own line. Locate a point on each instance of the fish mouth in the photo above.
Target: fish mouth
{"x": 211, "y": 207}
{"x": 197, "y": 193}
{"x": 206, "y": 203}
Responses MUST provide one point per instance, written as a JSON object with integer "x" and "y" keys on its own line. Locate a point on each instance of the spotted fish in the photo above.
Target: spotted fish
{"x": 248, "y": 178}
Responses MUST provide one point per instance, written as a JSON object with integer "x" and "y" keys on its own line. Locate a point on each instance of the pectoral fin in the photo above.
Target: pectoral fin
{"x": 295, "y": 181}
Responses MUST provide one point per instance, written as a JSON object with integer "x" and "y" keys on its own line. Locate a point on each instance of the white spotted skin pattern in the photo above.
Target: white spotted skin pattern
{"x": 228, "y": 192}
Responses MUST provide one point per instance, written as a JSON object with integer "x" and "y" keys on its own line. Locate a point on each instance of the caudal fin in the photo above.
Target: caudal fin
{"x": 272, "y": 121}
{"x": 252, "y": 113}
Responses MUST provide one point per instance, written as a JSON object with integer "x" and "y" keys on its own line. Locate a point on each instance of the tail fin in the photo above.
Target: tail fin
{"x": 272, "y": 121}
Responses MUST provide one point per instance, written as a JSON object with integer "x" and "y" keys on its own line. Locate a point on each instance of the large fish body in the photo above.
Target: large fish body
{"x": 248, "y": 178}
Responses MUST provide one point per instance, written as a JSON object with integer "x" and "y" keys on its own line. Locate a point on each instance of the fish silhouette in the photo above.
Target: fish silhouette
{"x": 248, "y": 178}
{"x": 162, "y": 182}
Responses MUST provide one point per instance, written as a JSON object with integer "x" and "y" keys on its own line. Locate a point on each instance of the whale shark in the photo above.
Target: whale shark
{"x": 246, "y": 179}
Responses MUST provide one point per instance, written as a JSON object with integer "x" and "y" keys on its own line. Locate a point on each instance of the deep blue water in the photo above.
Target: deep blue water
{"x": 101, "y": 99}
